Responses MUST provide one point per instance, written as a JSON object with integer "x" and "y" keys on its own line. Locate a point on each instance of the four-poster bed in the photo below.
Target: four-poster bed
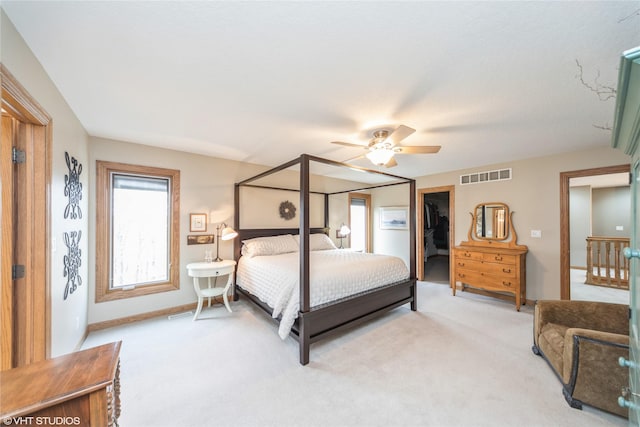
{"x": 315, "y": 322}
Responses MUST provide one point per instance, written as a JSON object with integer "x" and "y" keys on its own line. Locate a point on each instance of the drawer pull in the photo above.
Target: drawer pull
{"x": 461, "y": 264}
{"x": 461, "y": 275}
{"x": 626, "y": 363}
{"x": 467, "y": 254}
{"x": 627, "y": 404}
{"x": 506, "y": 270}
{"x": 498, "y": 258}
{"x": 506, "y": 284}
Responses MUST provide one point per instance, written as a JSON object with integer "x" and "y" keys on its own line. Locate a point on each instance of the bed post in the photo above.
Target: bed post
{"x": 236, "y": 245}
{"x": 304, "y": 338}
{"x": 236, "y": 219}
{"x": 326, "y": 210}
{"x": 412, "y": 242}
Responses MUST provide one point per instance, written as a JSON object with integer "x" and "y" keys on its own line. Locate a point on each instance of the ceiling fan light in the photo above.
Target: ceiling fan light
{"x": 380, "y": 156}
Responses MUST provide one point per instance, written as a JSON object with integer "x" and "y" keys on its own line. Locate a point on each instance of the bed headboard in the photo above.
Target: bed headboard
{"x": 252, "y": 233}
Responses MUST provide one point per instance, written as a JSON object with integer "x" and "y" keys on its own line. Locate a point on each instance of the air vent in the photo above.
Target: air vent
{"x": 480, "y": 177}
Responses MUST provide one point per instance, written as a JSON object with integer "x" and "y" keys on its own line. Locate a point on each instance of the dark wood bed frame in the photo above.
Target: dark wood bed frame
{"x": 315, "y": 323}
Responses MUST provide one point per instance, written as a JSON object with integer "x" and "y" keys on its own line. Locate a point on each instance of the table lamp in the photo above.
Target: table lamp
{"x": 223, "y": 232}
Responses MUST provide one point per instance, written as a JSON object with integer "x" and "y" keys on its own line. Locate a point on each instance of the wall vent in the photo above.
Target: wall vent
{"x": 480, "y": 177}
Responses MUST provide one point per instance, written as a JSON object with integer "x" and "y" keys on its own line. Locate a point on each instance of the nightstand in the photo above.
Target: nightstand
{"x": 209, "y": 270}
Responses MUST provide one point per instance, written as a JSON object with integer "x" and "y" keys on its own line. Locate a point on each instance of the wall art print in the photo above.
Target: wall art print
{"x": 394, "y": 218}
{"x": 197, "y": 222}
{"x": 72, "y": 262}
{"x": 73, "y": 188}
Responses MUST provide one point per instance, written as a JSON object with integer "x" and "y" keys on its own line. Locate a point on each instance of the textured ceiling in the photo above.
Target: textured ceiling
{"x": 263, "y": 82}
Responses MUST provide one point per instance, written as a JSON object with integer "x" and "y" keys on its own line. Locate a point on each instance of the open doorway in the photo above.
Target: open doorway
{"x": 593, "y": 235}
{"x": 600, "y": 216}
{"x": 435, "y": 234}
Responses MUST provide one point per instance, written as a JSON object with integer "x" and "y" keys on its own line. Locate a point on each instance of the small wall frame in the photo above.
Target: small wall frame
{"x": 197, "y": 222}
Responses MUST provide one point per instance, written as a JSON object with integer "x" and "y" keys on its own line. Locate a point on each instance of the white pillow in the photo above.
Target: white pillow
{"x": 271, "y": 245}
{"x": 318, "y": 242}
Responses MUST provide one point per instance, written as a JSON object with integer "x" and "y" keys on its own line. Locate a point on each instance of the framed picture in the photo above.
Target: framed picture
{"x": 197, "y": 222}
{"x": 394, "y": 218}
{"x": 200, "y": 239}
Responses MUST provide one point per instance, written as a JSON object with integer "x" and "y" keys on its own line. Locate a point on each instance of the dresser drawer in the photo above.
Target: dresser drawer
{"x": 486, "y": 281}
{"x": 498, "y": 257}
{"x": 486, "y": 256}
{"x": 465, "y": 255}
{"x": 493, "y": 268}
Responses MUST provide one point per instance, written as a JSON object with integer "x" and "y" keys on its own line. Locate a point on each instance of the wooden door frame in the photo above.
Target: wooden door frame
{"x": 451, "y": 189}
{"x": 565, "y": 245}
{"x": 34, "y": 120}
{"x": 6, "y": 248}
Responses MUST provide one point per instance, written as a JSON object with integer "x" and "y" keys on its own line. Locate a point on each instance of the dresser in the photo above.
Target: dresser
{"x": 491, "y": 260}
{"x": 81, "y": 388}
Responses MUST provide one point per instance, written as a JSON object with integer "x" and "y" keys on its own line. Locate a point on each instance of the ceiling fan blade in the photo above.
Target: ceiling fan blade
{"x": 391, "y": 163}
{"x": 399, "y": 134}
{"x": 418, "y": 149}
{"x": 348, "y": 144}
{"x": 354, "y": 158}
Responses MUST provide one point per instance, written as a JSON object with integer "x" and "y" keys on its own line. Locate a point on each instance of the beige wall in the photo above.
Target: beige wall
{"x": 261, "y": 208}
{"x": 390, "y": 242}
{"x": 206, "y": 186}
{"x": 611, "y": 211}
{"x": 68, "y": 317}
{"x": 580, "y": 224}
{"x": 534, "y": 196}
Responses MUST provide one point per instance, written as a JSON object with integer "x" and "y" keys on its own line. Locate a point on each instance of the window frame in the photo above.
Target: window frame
{"x": 104, "y": 170}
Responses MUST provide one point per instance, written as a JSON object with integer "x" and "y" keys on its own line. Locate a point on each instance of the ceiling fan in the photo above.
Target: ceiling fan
{"x": 384, "y": 145}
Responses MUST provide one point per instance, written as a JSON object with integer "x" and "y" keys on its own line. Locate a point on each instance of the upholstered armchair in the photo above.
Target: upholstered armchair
{"x": 582, "y": 341}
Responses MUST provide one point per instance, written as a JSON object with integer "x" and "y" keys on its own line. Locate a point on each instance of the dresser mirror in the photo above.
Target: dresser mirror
{"x": 491, "y": 221}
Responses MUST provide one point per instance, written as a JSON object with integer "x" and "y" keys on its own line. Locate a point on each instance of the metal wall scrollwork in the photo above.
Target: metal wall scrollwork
{"x": 73, "y": 188}
{"x": 72, "y": 262}
{"x": 73, "y": 191}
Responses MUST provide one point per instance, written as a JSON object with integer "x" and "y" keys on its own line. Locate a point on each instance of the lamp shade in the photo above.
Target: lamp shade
{"x": 380, "y": 156}
{"x": 228, "y": 233}
{"x": 344, "y": 230}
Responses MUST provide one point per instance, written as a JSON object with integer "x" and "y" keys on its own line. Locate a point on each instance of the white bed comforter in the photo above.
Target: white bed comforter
{"x": 334, "y": 274}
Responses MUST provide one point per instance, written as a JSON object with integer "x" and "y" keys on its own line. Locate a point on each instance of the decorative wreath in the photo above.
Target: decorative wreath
{"x": 287, "y": 210}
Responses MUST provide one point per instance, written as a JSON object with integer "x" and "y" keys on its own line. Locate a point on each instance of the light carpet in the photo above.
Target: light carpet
{"x": 457, "y": 361}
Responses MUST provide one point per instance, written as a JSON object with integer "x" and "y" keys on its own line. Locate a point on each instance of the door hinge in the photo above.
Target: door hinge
{"x": 18, "y": 156}
{"x": 17, "y": 271}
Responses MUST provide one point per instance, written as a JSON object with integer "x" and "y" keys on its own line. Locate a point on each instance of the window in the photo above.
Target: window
{"x": 359, "y": 208}
{"x": 137, "y": 230}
